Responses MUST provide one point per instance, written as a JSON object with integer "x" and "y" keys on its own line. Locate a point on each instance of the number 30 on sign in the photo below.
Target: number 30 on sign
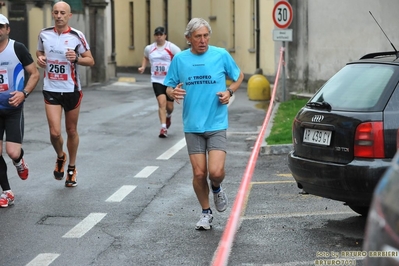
{"x": 282, "y": 14}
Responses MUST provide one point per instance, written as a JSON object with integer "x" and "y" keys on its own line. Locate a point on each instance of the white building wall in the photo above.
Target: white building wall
{"x": 336, "y": 32}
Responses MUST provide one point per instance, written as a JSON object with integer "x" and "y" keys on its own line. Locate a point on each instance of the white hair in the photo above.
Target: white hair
{"x": 195, "y": 24}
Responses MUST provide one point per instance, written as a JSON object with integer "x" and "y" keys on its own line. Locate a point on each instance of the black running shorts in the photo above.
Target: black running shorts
{"x": 12, "y": 123}
{"x": 160, "y": 89}
{"x": 68, "y": 100}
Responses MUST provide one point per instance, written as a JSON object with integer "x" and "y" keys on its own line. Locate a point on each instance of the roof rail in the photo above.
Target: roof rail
{"x": 374, "y": 55}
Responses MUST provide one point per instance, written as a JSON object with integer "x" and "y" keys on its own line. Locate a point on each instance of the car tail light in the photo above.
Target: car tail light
{"x": 369, "y": 140}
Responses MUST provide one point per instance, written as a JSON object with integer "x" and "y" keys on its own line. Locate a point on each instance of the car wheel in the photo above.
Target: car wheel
{"x": 362, "y": 210}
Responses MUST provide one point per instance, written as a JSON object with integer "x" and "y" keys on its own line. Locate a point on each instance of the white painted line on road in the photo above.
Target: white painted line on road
{"x": 43, "y": 259}
{"x": 85, "y": 225}
{"x": 120, "y": 194}
{"x": 147, "y": 171}
{"x": 298, "y": 214}
{"x": 172, "y": 151}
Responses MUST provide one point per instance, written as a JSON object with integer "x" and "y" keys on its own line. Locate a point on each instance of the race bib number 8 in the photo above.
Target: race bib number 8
{"x": 3, "y": 80}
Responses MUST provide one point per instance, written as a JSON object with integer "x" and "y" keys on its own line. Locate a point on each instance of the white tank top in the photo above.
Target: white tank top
{"x": 12, "y": 74}
{"x": 160, "y": 59}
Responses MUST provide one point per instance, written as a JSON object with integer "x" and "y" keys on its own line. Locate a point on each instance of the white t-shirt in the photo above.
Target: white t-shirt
{"x": 60, "y": 74}
{"x": 160, "y": 58}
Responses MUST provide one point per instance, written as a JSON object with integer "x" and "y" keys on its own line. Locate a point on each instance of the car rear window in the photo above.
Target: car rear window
{"x": 357, "y": 87}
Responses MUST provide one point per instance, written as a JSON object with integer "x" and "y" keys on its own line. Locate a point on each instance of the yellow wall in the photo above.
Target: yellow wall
{"x": 231, "y": 22}
{"x": 267, "y": 45}
{"x": 39, "y": 18}
{"x": 34, "y": 28}
{"x": 127, "y": 55}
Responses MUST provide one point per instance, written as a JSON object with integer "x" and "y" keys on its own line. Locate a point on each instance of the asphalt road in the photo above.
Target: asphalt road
{"x": 134, "y": 203}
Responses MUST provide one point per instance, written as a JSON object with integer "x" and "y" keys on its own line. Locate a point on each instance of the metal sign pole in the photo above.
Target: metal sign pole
{"x": 284, "y": 98}
{"x": 282, "y": 18}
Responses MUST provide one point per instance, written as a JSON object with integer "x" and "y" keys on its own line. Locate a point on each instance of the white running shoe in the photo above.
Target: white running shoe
{"x": 6, "y": 199}
{"x": 205, "y": 223}
{"x": 220, "y": 200}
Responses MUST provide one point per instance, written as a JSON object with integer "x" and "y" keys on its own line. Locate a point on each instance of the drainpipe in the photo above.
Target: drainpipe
{"x": 257, "y": 30}
{"x": 113, "y": 53}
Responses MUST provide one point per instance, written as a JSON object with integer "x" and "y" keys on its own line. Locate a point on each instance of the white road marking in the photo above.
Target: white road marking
{"x": 85, "y": 225}
{"x": 120, "y": 194}
{"x": 172, "y": 151}
{"x": 43, "y": 259}
{"x": 147, "y": 171}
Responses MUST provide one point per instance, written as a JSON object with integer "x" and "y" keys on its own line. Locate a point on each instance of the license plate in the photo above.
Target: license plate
{"x": 317, "y": 136}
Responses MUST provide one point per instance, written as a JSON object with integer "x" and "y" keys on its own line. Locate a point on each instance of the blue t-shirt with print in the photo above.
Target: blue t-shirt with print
{"x": 203, "y": 76}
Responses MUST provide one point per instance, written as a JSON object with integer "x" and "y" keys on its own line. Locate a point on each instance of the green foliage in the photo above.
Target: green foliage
{"x": 281, "y": 132}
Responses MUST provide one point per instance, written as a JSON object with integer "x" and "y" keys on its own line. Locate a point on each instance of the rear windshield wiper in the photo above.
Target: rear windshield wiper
{"x": 320, "y": 105}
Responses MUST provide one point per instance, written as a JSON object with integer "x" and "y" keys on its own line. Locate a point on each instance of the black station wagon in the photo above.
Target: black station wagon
{"x": 346, "y": 136}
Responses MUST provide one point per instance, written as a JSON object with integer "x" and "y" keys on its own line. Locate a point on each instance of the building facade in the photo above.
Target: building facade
{"x": 326, "y": 34}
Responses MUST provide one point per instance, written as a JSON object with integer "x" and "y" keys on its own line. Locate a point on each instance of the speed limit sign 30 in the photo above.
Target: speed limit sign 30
{"x": 282, "y": 14}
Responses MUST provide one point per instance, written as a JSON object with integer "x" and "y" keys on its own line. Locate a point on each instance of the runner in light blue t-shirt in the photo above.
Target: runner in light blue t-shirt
{"x": 204, "y": 76}
{"x": 197, "y": 77}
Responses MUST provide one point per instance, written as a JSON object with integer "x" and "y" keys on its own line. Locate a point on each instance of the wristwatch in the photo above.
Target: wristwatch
{"x": 231, "y": 91}
{"x": 25, "y": 93}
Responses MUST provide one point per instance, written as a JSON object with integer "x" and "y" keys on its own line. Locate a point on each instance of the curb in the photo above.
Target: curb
{"x": 266, "y": 149}
{"x": 276, "y": 149}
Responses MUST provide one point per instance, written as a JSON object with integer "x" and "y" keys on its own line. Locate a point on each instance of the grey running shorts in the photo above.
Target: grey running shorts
{"x": 207, "y": 141}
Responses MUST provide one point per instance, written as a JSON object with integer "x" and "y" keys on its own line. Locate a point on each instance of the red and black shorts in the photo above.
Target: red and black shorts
{"x": 68, "y": 100}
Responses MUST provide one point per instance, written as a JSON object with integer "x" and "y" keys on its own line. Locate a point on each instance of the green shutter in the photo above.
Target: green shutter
{"x": 76, "y": 5}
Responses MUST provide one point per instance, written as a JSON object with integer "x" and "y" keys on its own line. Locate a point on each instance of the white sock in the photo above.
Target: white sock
{"x": 163, "y": 125}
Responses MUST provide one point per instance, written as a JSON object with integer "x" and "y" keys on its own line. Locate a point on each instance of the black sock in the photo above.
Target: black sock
{"x": 3, "y": 175}
{"x": 71, "y": 167}
{"x": 207, "y": 211}
{"x": 215, "y": 189}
